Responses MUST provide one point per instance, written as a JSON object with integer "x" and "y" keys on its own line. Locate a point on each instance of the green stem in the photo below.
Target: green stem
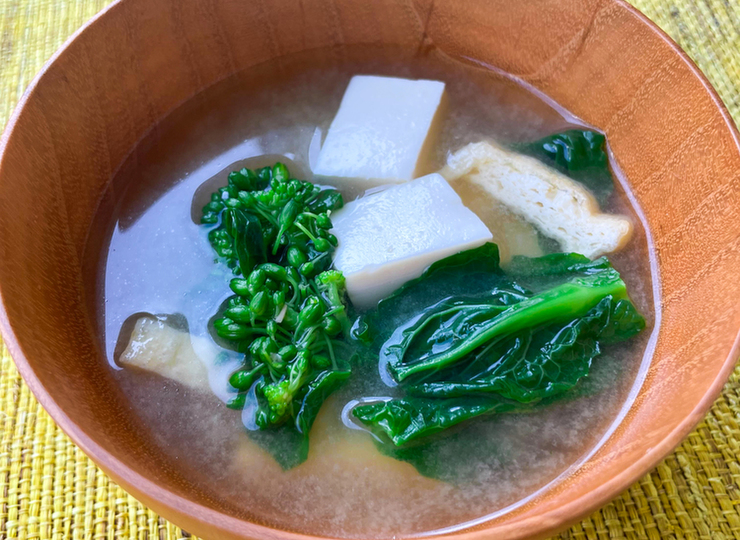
{"x": 296, "y": 292}
{"x": 331, "y": 352}
{"x": 265, "y": 213}
{"x": 305, "y": 231}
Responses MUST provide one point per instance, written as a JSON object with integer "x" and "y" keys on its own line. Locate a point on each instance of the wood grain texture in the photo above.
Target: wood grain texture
{"x": 142, "y": 58}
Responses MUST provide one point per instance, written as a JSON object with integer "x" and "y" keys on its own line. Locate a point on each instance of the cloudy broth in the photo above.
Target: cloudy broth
{"x": 154, "y": 258}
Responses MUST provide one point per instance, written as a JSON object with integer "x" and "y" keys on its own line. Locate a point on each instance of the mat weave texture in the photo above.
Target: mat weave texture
{"x": 50, "y": 490}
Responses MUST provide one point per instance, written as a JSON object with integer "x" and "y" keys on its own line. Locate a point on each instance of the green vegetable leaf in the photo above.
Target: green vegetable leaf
{"x": 287, "y": 446}
{"x": 328, "y": 200}
{"x": 542, "y": 363}
{"x": 249, "y": 245}
{"x": 555, "y": 264}
{"x": 523, "y": 370}
{"x": 318, "y": 391}
{"x": 467, "y": 339}
{"x": 410, "y": 418}
{"x": 447, "y": 334}
{"x": 580, "y": 154}
{"x": 468, "y": 273}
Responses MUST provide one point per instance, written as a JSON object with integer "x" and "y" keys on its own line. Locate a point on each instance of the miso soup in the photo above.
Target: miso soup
{"x": 467, "y": 365}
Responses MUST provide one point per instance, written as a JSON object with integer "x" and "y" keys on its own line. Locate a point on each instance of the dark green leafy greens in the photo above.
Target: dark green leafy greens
{"x": 466, "y": 339}
{"x": 411, "y": 418}
{"x": 542, "y": 362}
{"x": 288, "y": 313}
{"x": 459, "y": 351}
{"x": 265, "y": 215}
{"x": 463, "y": 330}
{"x": 578, "y": 153}
{"x": 554, "y": 266}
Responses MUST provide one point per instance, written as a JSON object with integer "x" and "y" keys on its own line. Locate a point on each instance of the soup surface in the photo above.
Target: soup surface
{"x": 154, "y": 258}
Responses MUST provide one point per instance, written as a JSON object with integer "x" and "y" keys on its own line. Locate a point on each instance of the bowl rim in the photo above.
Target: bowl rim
{"x": 176, "y": 505}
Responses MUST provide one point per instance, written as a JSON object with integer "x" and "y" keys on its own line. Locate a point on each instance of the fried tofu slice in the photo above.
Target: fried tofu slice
{"x": 559, "y": 207}
{"x": 158, "y": 348}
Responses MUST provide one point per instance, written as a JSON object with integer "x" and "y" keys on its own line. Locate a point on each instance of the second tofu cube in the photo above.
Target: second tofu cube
{"x": 390, "y": 237}
{"x": 380, "y": 130}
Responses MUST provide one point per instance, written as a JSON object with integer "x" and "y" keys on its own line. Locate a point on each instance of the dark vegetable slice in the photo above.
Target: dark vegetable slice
{"x": 531, "y": 366}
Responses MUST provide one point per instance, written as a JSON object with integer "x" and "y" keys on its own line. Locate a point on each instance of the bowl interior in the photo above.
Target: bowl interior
{"x": 141, "y": 58}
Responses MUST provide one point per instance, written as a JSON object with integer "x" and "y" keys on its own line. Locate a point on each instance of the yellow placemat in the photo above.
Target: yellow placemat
{"x": 50, "y": 490}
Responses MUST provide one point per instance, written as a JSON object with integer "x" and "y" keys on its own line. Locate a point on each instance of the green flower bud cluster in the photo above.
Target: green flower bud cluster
{"x": 289, "y": 326}
{"x": 265, "y": 215}
{"x": 288, "y": 314}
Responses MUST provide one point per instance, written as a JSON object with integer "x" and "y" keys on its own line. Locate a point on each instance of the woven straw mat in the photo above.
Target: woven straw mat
{"x": 51, "y": 490}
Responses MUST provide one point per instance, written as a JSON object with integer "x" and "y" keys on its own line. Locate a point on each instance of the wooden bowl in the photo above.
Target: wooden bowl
{"x": 139, "y": 59}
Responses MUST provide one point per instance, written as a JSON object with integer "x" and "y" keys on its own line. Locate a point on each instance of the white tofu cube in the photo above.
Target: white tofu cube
{"x": 379, "y": 132}
{"x": 391, "y": 237}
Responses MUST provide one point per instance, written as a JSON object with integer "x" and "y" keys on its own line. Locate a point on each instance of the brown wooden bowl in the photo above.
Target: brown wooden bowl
{"x": 139, "y": 59}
